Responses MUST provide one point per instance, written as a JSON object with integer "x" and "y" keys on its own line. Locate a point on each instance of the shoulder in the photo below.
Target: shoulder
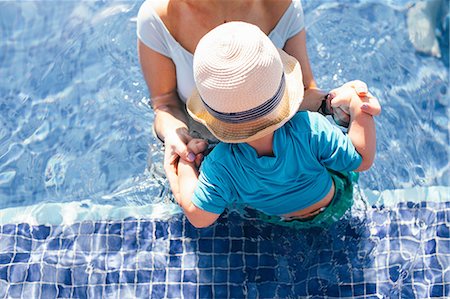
{"x": 310, "y": 122}
{"x": 302, "y": 121}
{"x": 149, "y": 12}
{"x": 276, "y": 8}
{"x": 219, "y": 159}
{"x": 277, "y": 5}
{"x": 220, "y": 154}
{"x": 157, "y": 6}
{"x": 152, "y": 8}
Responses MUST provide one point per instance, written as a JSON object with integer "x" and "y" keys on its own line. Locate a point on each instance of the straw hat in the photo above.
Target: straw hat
{"x": 246, "y": 87}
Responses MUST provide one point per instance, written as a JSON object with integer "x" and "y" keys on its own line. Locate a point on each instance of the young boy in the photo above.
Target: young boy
{"x": 292, "y": 166}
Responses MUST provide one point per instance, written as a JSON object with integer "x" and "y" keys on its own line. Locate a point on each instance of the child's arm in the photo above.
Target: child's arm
{"x": 187, "y": 180}
{"x": 361, "y": 130}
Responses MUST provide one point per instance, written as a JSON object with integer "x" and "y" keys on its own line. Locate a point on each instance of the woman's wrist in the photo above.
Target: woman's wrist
{"x": 312, "y": 99}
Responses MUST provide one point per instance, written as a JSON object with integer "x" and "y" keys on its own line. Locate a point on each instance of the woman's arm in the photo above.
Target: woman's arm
{"x": 296, "y": 47}
{"x": 170, "y": 115}
{"x": 160, "y": 76}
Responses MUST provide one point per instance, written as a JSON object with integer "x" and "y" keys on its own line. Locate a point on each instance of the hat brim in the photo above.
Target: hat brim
{"x": 255, "y": 129}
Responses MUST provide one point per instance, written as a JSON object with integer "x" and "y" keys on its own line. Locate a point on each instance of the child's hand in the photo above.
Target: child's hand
{"x": 197, "y": 146}
{"x": 340, "y": 99}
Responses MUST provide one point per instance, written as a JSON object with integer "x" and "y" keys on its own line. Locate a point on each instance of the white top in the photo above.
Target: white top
{"x": 155, "y": 35}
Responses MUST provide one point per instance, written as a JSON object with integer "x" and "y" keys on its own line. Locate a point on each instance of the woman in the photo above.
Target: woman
{"x": 168, "y": 33}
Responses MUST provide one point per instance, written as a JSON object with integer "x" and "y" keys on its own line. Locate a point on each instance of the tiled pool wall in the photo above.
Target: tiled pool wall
{"x": 401, "y": 252}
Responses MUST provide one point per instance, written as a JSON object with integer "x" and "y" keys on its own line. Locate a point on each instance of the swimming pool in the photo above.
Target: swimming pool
{"x": 85, "y": 210}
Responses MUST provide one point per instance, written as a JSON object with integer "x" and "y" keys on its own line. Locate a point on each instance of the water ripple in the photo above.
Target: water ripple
{"x": 74, "y": 123}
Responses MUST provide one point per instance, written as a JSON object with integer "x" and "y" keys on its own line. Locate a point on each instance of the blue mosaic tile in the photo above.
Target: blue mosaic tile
{"x": 176, "y": 229}
{"x": 205, "y": 245}
{"x": 100, "y": 228}
{"x": 189, "y": 261}
{"x": 51, "y": 257}
{"x": 17, "y": 273}
{"x": 205, "y": 291}
{"x": 443, "y": 230}
{"x": 127, "y": 277}
{"x": 237, "y": 292}
{"x": 142, "y": 291}
{"x": 40, "y": 232}
{"x": 237, "y": 245}
{"x": 80, "y": 292}
{"x": 54, "y": 244}
{"x": 112, "y": 277}
{"x": 64, "y": 291}
{"x": 111, "y": 291}
{"x": 9, "y": 229}
{"x": 284, "y": 291}
{"x": 21, "y": 257}
{"x": 251, "y": 260}
{"x": 345, "y": 290}
{"x": 64, "y": 276}
{"x": 189, "y": 291}
{"x": 114, "y": 243}
{"x": 205, "y": 261}
{"x": 83, "y": 243}
{"x": 7, "y": 243}
{"x": 130, "y": 228}
{"x": 220, "y": 291}
{"x": 236, "y": 260}
{"x": 130, "y": 242}
{"x": 146, "y": 230}
{"x": 173, "y": 291}
{"x": 159, "y": 275}
{"x": 97, "y": 292}
{"x": 221, "y": 230}
{"x": 79, "y": 275}
{"x": 219, "y": 275}
{"x": 98, "y": 243}
{"x": 220, "y": 261}
{"x": 15, "y": 290}
{"x": 145, "y": 244}
{"x": 190, "y": 276}
{"x": 190, "y": 231}
{"x": 174, "y": 275}
{"x": 176, "y": 247}
{"x": 87, "y": 228}
{"x": 205, "y": 276}
{"x": 97, "y": 278}
{"x": 144, "y": 276}
{"x": 6, "y": 258}
{"x": 24, "y": 229}
{"x": 161, "y": 230}
{"x": 332, "y": 291}
{"x": 175, "y": 261}
{"x": 158, "y": 291}
{"x": 114, "y": 228}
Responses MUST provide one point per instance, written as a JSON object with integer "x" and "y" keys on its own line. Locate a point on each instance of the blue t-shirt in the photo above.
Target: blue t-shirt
{"x": 296, "y": 176}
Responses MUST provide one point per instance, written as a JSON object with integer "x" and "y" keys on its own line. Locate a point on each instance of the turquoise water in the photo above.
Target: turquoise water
{"x": 76, "y": 126}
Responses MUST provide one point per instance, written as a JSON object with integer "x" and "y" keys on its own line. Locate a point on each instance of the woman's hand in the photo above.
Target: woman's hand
{"x": 339, "y": 100}
{"x": 176, "y": 148}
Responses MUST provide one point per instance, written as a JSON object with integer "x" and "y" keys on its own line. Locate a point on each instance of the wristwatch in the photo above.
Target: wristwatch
{"x": 323, "y": 107}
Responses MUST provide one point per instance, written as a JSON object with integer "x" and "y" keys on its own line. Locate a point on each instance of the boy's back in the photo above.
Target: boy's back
{"x": 294, "y": 178}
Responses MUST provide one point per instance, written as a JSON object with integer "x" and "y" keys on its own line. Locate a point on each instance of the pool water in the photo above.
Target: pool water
{"x": 85, "y": 209}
